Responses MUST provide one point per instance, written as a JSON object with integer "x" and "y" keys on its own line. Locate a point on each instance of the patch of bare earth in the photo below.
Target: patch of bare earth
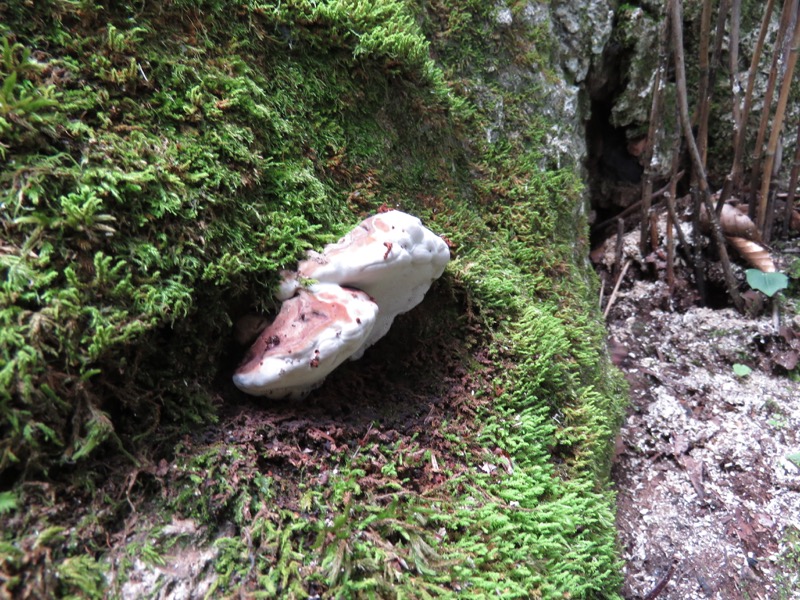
{"x": 706, "y": 491}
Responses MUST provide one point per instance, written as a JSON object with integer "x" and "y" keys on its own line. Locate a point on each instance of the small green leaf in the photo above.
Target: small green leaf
{"x": 767, "y": 283}
{"x": 794, "y": 458}
{"x": 742, "y": 370}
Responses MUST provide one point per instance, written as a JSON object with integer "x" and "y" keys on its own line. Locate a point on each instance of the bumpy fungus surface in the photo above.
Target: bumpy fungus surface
{"x": 391, "y": 257}
{"x": 314, "y": 333}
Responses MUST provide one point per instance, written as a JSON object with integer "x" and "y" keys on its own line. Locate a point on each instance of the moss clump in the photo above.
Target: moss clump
{"x": 156, "y": 182}
{"x": 161, "y": 165}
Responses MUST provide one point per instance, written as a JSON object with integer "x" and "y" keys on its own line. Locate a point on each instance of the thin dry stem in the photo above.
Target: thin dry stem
{"x": 697, "y": 249}
{"x": 612, "y": 298}
{"x": 634, "y": 207}
{"x": 789, "y": 207}
{"x": 789, "y": 8}
{"x": 734, "y": 179}
{"x": 704, "y": 91}
{"x": 652, "y": 134}
{"x": 676, "y": 11}
{"x": 777, "y": 127}
{"x": 670, "y": 246}
{"x": 733, "y": 68}
{"x": 619, "y": 246}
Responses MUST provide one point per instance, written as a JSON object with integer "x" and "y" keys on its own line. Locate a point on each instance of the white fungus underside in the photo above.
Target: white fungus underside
{"x": 295, "y": 375}
{"x": 391, "y": 257}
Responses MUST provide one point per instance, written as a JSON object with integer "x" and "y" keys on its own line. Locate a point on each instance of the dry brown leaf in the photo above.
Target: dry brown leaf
{"x": 753, "y": 252}
{"x": 733, "y": 221}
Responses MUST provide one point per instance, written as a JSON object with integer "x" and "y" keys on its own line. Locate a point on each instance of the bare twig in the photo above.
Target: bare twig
{"x": 670, "y": 249}
{"x": 789, "y": 207}
{"x": 612, "y": 298}
{"x": 619, "y": 247}
{"x": 733, "y": 68}
{"x": 789, "y": 8}
{"x": 719, "y": 38}
{"x": 676, "y": 11}
{"x": 769, "y": 221}
{"x": 653, "y": 233}
{"x": 708, "y": 69}
{"x": 704, "y": 87}
{"x": 652, "y": 133}
{"x": 634, "y": 207}
{"x": 673, "y": 215}
{"x": 777, "y": 127}
{"x": 697, "y": 250}
{"x": 662, "y": 583}
{"x": 670, "y": 196}
{"x": 734, "y": 179}
{"x": 602, "y": 290}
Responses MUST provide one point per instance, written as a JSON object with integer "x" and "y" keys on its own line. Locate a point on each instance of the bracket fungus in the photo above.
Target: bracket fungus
{"x": 391, "y": 258}
{"x": 314, "y": 332}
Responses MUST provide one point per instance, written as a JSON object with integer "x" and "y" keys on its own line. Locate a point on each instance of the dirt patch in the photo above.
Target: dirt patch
{"x": 707, "y": 486}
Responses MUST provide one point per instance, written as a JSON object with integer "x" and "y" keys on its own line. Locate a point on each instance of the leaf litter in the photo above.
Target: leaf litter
{"x": 706, "y": 481}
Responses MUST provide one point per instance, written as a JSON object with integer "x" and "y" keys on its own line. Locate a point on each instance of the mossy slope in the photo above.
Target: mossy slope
{"x": 162, "y": 164}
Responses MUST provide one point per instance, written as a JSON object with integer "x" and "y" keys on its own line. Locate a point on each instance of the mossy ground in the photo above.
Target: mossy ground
{"x": 161, "y": 164}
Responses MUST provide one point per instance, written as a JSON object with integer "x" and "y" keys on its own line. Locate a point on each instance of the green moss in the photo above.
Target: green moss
{"x": 789, "y": 561}
{"x": 162, "y": 164}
